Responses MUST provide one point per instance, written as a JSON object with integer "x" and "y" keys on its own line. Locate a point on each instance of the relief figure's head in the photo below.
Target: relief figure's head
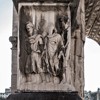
{"x": 51, "y": 29}
{"x": 29, "y": 28}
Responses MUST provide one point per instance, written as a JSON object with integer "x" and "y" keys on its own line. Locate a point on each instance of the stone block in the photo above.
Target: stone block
{"x": 45, "y": 96}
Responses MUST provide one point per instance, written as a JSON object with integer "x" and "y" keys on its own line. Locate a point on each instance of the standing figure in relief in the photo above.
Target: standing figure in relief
{"x": 66, "y": 25}
{"x": 54, "y": 51}
{"x": 36, "y": 43}
{"x": 63, "y": 25}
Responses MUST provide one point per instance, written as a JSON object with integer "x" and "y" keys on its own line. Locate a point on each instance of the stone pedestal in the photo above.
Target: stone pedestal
{"x": 45, "y": 96}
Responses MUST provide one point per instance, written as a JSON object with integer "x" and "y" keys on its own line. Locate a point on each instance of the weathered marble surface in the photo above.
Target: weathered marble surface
{"x": 75, "y": 60}
{"x": 52, "y": 21}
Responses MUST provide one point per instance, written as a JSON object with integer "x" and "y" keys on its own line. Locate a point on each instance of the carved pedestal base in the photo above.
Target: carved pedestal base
{"x": 45, "y": 96}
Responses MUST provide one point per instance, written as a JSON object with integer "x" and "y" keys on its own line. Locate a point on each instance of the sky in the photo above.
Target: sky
{"x": 91, "y": 61}
{"x": 5, "y": 45}
{"x": 92, "y": 65}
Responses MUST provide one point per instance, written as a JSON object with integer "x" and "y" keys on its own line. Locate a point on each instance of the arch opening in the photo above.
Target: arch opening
{"x": 92, "y": 65}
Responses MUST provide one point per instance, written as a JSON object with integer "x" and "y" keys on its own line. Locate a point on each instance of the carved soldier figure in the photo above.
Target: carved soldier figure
{"x": 54, "y": 48}
{"x": 62, "y": 25}
{"x": 36, "y": 43}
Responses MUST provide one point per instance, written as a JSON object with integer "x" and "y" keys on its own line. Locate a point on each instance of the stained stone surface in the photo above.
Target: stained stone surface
{"x": 55, "y": 46}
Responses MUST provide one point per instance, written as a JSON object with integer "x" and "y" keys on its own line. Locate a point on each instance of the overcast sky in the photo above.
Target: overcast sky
{"x": 92, "y": 52}
{"x": 5, "y": 45}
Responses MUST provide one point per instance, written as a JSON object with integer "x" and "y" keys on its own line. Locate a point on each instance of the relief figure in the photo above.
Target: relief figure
{"x": 62, "y": 25}
{"x": 54, "y": 52}
{"x": 46, "y": 43}
{"x": 36, "y": 43}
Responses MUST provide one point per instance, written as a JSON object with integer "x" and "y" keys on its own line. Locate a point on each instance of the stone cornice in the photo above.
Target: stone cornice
{"x": 40, "y": 1}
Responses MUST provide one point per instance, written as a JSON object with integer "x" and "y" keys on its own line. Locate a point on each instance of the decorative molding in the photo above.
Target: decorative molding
{"x": 13, "y": 40}
{"x": 92, "y": 19}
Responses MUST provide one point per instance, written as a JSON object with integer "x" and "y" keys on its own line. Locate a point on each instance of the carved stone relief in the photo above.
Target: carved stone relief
{"x": 44, "y": 46}
{"x": 51, "y": 47}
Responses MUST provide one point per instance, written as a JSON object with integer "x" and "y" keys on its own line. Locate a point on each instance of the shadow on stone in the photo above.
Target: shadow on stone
{"x": 45, "y": 96}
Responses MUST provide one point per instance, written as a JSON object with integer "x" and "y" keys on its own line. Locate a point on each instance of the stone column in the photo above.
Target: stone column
{"x": 77, "y": 49}
{"x": 13, "y": 40}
